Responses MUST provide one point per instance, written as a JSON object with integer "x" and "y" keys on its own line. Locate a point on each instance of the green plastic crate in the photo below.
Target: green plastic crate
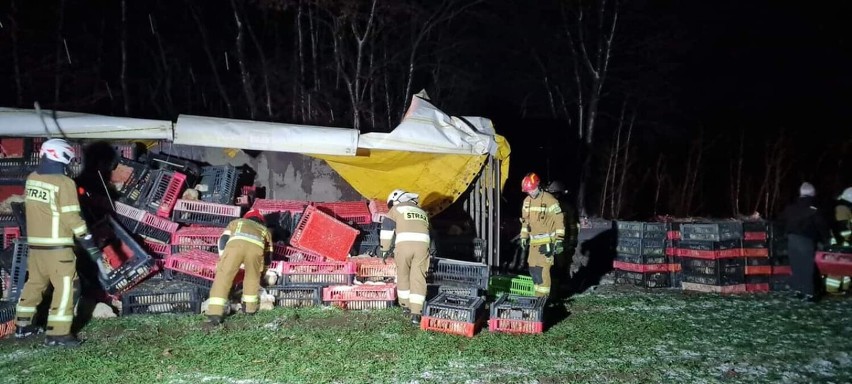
{"x": 523, "y": 285}
{"x": 499, "y": 284}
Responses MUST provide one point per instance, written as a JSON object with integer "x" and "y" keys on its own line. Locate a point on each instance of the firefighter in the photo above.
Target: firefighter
{"x": 53, "y": 221}
{"x": 405, "y": 234}
{"x": 842, "y": 238}
{"x": 542, "y": 232}
{"x": 245, "y": 241}
{"x": 570, "y": 220}
{"x": 805, "y": 227}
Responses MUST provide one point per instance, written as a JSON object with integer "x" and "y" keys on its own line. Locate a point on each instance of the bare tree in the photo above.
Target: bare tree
{"x": 202, "y": 31}
{"x": 59, "y": 44}
{"x": 241, "y": 59}
{"x": 660, "y": 176}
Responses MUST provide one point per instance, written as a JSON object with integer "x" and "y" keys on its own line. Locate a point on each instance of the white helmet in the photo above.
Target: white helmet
{"x": 401, "y": 196}
{"x": 846, "y": 195}
{"x": 57, "y": 150}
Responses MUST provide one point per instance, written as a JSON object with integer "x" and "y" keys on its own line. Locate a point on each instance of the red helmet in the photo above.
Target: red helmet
{"x": 254, "y": 214}
{"x": 530, "y": 182}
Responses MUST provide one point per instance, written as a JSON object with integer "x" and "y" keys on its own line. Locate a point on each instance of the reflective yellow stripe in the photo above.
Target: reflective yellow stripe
{"x": 226, "y": 233}
{"x": 554, "y": 208}
{"x": 60, "y": 319}
{"x": 81, "y": 230}
{"x": 42, "y": 184}
{"x": 524, "y": 229}
{"x": 542, "y": 289}
{"x": 386, "y": 234}
{"x": 50, "y": 241}
{"x": 70, "y": 208}
{"x": 537, "y": 209}
{"x": 416, "y": 299}
{"x": 217, "y": 301}
{"x": 66, "y": 296}
{"x": 403, "y": 294}
{"x": 25, "y": 309}
{"x": 250, "y": 298}
{"x": 559, "y": 231}
{"x": 412, "y": 236}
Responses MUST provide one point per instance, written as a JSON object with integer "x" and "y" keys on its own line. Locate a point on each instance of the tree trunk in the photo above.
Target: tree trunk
{"x": 206, "y": 44}
{"x": 264, "y": 66}
{"x": 16, "y": 66}
{"x": 57, "y": 81}
{"x": 241, "y": 59}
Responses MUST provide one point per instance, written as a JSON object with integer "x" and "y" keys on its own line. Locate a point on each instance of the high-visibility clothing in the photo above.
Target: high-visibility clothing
{"x": 249, "y": 231}
{"x": 406, "y": 227}
{"x": 55, "y": 267}
{"x": 542, "y": 223}
{"x": 248, "y": 243}
{"x": 53, "y": 211}
{"x": 842, "y": 224}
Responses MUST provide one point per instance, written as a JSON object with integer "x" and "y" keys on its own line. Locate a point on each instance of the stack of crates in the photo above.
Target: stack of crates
{"x": 218, "y": 184}
{"x": 641, "y": 257}
{"x": 9, "y": 229}
{"x": 711, "y": 257}
{"x": 672, "y": 244}
{"x": 755, "y": 249}
{"x": 517, "y": 314}
{"x": 374, "y": 270}
{"x": 456, "y": 277}
{"x": 454, "y": 314}
{"x": 17, "y": 271}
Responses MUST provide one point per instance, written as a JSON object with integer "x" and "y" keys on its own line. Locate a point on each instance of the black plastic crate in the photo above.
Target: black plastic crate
{"x": 433, "y": 290}
{"x": 132, "y": 190}
{"x": 639, "y": 246}
{"x": 18, "y": 270}
{"x": 713, "y": 272}
{"x": 454, "y": 272}
{"x": 455, "y": 308}
{"x": 135, "y": 169}
{"x": 175, "y": 164}
{"x": 219, "y": 184}
{"x": 162, "y": 296}
{"x": 755, "y": 244}
{"x": 171, "y": 275}
{"x": 156, "y": 190}
{"x": 136, "y": 266}
{"x": 516, "y": 307}
{"x": 640, "y": 230}
{"x": 711, "y": 245}
{"x": 204, "y": 213}
{"x": 367, "y": 242}
{"x": 8, "y": 221}
{"x": 719, "y": 231}
{"x": 14, "y": 171}
{"x": 643, "y": 259}
{"x": 644, "y": 280}
{"x": 7, "y": 311}
{"x": 295, "y": 297}
{"x": 758, "y": 261}
{"x": 781, "y": 283}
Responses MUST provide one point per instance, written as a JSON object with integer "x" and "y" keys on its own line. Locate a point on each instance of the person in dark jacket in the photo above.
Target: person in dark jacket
{"x": 806, "y": 227}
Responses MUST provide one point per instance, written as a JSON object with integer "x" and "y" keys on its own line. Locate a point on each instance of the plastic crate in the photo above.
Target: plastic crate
{"x": 517, "y": 314}
{"x": 295, "y": 297}
{"x": 641, "y": 268}
{"x": 132, "y": 189}
{"x": 317, "y": 273}
{"x": 710, "y": 249}
{"x": 218, "y": 184}
{"x": 347, "y": 293}
{"x": 378, "y": 210}
{"x": 160, "y": 296}
{"x": 135, "y": 264}
{"x": 454, "y": 272}
{"x": 125, "y": 172}
{"x": 128, "y": 216}
{"x": 267, "y": 206}
{"x": 282, "y": 251}
{"x": 18, "y": 270}
{"x": 199, "y": 264}
{"x": 523, "y": 285}
{"x": 641, "y": 230}
{"x": 834, "y": 263}
{"x": 323, "y": 234}
{"x": 459, "y": 290}
{"x": 644, "y": 279}
{"x": 204, "y": 213}
{"x": 156, "y": 227}
{"x": 639, "y": 246}
{"x": 162, "y": 192}
{"x": 713, "y": 272}
{"x": 721, "y": 231}
{"x": 498, "y": 284}
{"x": 453, "y": 314}
{"x": 373, "y": 269}
{"x": 14, "y": 171}
{"x": 201, "y": 238}
{"x": 10, "y": 234}
{"x": 157, "y": 248}
{"x": 642, "y": 259}
{"x": 348, "y": 211}
{"x": 368, "y": 241}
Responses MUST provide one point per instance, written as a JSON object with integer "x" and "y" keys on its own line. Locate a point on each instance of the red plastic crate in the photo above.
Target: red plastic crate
{"x": 171, "y": 195}
{"x": 373, "y": 268}
{"x": 374, "y": 292}
{"x": 834, "y": 263}
{"x": 449, "y": 326}
{"x": 203, "y": 238}
{"x": 267, "y": 206}
{"x": 354, "y": 211}
{"x": 378, "y": 210}
{"x": 710, "y": 255}
{"x": 758, "y": 270}
{"x": 9, "y": 234}
{"x": 641, "y": 268}
{"x": 201, "y": 212}
{"x": 515, "y": 326}
{"x": 323, "y": 234}
{"x": 317, "y": 273}
{"x": 157, "y": 248}
{"x": 7, "y": 328}
{"x": 282, "y": 251}
{"x": 782, "y": 270}
{"x": 156, "y": 227}
{"x": 199, "y": 264}
{"x": 755, "y": 252}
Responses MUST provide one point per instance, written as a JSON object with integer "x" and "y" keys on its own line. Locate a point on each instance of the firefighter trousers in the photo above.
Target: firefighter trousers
{"x": 56, "y": 267}
{"x": 802, "y": 251}
{"x": 237, "y": 253}
{"x": 539, "y": 271}
{"x": 412, "y": 262}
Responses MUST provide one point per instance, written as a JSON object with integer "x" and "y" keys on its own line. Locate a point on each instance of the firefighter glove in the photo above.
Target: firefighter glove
{"x": 88, "y": 243}
{"x": 546, "y": 249}
{"x": 385, "y": 255}
{"x": 558, "y": 247}
{"x": 525, "y": 243}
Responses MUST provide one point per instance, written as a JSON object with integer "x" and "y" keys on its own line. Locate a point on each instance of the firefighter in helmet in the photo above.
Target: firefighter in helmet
{"x": 53, "y": 221}
{"x": 841, "y": 239}
{"x": 245, "y": 241}
{"x": 405, "y": 234}
{"x": 542, "y": 232}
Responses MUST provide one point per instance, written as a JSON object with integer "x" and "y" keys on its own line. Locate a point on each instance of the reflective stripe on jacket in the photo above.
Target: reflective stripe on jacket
{"x": 53, "y": 210}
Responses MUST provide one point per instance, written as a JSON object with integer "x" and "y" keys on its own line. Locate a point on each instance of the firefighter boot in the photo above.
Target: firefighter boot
{"x": 62, "y": 341}
{"x": 415, "y": 319}
{"x": 246, "y": 310}
{"x": 22, "y": 332}
{"x": 211, "y": 323}
{"x": 406, "y": 311}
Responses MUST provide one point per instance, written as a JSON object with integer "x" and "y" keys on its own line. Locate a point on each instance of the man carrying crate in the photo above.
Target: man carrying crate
{"x": 246, "y": 242}
{"x": 405, "y": 233}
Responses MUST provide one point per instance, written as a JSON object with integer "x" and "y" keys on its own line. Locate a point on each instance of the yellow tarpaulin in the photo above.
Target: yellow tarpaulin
{"x": 439, "y": 179}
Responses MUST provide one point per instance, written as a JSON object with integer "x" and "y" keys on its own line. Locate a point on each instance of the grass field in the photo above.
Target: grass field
{"x": 610, "y": 335}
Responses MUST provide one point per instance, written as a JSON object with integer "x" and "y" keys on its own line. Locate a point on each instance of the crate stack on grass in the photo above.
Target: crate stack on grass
{"x": 456, "y": 277}
{"x": 641, "y": 257}
{"x": 755, "y": 250}
{"x": 711, "y": 257}
{"x": 454, "y": 314}
{"x": 517, "y": 314}
{"x": 672, "y": 243}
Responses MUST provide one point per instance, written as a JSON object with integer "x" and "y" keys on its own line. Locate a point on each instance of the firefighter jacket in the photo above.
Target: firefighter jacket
{"x": 53, "y": 211}
{"x": 404, "y": 222}
{"x": 249, "y": 231}
{"x": 842, "y": 224}
{"x": 541, "y": 219}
